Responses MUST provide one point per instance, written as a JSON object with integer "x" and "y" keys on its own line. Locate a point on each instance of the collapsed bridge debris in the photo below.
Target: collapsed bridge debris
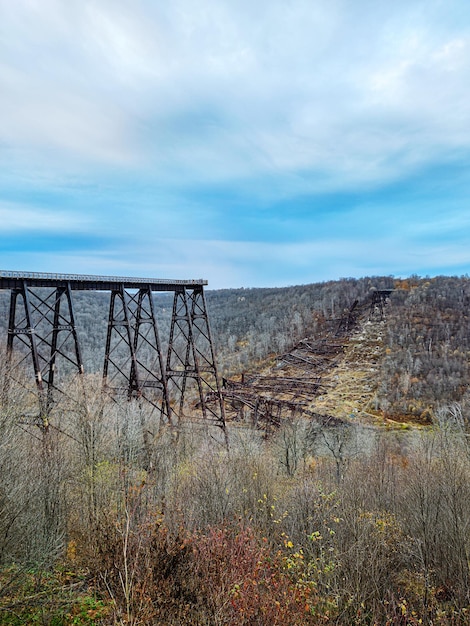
{"x": 266, "y": 400}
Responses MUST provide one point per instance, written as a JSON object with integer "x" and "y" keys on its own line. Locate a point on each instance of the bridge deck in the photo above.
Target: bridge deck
{"x": 11, "y": 280}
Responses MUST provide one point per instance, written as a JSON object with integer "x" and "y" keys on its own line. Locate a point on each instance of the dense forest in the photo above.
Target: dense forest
{"x": 424, "y": 365}
{"x": 249, "y": 322}
{"x": 106, "y": 519}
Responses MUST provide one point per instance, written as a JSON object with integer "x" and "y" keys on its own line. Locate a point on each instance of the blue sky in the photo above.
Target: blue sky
{"x": 253, "y": 144}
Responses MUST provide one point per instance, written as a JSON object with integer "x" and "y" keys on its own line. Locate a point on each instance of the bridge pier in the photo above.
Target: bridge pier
{"x": 133, "y": 361}
{"x": 191, "y": 354}
{"x": 42, "y": 323}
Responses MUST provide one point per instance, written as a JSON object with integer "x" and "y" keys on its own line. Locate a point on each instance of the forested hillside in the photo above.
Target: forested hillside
{"x": 428, "y": 345}
{"x": 247, "y": 324}
{"x": 425, "y": 361}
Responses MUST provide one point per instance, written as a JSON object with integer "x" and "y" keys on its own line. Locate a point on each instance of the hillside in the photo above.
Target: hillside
{"x": 401, "y": 365}
{"x": 351, "y": 386}
{"x": 331, "y": 377}
{"x": 399, "y": 362}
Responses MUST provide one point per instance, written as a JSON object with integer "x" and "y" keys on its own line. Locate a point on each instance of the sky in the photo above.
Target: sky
{"x": 252, "y": 143}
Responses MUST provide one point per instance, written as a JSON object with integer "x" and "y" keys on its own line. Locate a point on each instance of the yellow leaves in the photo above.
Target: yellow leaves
{"x": 72, "y": 550}
{"x": 315, "y": 536}
{"x": 403, "y": 607}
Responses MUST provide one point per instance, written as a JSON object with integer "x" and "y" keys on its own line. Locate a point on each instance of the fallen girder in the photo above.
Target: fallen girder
{"x": 244, "y": 404}
{"x": 264, "y": 396}
{"x": 266, "y": 412}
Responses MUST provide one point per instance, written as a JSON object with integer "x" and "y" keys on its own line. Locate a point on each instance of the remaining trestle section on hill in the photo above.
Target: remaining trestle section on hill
{"x": 42, "y": 333}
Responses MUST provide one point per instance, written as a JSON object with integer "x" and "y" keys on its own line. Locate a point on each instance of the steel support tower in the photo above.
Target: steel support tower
{"x": 191, "y": 352}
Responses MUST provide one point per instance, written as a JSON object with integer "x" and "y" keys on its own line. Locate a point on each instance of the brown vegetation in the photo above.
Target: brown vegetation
{"x": 359, "y": 527}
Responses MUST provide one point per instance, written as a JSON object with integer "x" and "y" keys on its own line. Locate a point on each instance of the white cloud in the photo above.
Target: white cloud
{"x": 357, "y": 93}
{"x": 121, "y": 107}
{"x": 22, "y": 218}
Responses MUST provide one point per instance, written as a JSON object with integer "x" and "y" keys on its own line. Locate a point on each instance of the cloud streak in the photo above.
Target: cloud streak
{"x": 248, "y": 124}
{"x": 15, "y": 218}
